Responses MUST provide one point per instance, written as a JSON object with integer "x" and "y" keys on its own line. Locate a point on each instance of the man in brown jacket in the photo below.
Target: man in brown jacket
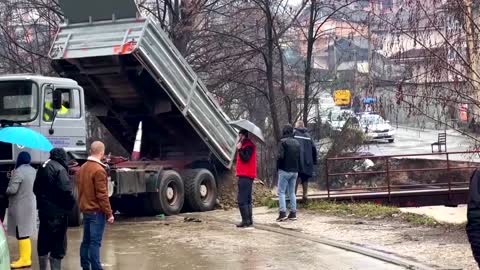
{"x": 92, "y": 185}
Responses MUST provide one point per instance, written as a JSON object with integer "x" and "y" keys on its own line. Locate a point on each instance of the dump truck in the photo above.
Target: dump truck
{"x": 123, "y": 69}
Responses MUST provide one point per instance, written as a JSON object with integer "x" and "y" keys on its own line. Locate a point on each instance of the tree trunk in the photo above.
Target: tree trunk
{"x": 308, "y": 64}
{"x": 269, "y": 69}
{"x": 286, "y": 97}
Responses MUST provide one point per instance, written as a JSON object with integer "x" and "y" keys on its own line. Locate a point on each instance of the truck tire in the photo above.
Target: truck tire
{"x": 200, "y": 190}
{"x": 170, "y": 196}
{"x": 75, "y": 218}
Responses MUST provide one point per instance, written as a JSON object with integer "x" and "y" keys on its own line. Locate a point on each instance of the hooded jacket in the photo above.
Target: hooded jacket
{"x": 52, "y": 186}
{"x": 288, "y": 152}
{"x": 308, "y": 151}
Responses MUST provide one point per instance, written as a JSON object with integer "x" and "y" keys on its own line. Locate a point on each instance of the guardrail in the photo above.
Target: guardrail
{"x": 385, "y": 164}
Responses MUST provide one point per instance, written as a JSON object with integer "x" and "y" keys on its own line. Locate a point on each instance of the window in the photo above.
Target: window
{"x": 18, "y": 101}
{"x": 453, "y": 24}
{"x": 70, "y": 105}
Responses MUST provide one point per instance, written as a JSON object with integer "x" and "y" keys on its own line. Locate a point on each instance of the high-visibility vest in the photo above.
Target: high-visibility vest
{"x": 48, "y": 111}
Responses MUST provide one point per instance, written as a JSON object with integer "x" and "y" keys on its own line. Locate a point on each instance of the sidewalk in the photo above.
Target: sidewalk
{"x": 442, "y": 214}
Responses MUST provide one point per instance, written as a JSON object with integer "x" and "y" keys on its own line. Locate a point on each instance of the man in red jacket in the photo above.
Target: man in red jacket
{"x": 246, "y": 173}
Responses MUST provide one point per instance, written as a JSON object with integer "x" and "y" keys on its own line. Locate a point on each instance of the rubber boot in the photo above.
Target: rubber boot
{"x": 25, "y": 251}
{"x": 244, "y": 214}
{"x": 43, "y": 262}
{"x": 55, "y": 264}
{"x": 250, "y": 215}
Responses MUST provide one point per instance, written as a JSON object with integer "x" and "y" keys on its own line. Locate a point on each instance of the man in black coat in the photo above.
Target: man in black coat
{"x": 55, "y": 200}
{"x": 308, "y": 158}
{"x": 288, "y": 165}
{"x": 473, "y": 215}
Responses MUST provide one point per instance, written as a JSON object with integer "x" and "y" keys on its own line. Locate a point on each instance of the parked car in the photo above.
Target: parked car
{"x": 326, "y": 105}
{"x": 376, "y": 128}
{"x": 4, "y": 253}
{"x": 338, "y": 118}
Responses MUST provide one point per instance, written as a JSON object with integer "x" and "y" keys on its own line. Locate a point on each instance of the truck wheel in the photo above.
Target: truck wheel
{"x": 171, "y": 195}
{"x": 200, "y": 190}
{"x": 75, "y": 218}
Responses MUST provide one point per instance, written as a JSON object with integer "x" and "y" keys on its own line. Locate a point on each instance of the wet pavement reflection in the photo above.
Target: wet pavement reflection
{"x": 137, "y": 244}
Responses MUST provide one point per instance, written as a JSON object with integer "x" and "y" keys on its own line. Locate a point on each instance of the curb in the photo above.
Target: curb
{"x": 352, "y": 247}
{"x": 382, "y": 256}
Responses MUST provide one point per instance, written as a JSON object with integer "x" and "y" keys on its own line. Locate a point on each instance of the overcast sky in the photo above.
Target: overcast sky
{"x": 295, "y": 2}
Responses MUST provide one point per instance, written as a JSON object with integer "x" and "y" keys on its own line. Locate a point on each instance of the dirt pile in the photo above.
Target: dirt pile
{"x": 227, "y": 190}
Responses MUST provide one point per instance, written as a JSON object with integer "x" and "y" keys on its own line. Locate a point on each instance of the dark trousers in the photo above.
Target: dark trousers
{"x": 303, "y": 178}
{"x": 3, "y": 207}
{"x": 245, "y": 185}
{"x": 52, "y": 236}
{"x": 474, "y": 239}
{"x": 473, "y": 232}
{"x": 93, "y": 228}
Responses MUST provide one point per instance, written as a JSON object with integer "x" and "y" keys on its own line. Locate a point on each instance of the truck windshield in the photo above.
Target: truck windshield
{"x": 18, "y": 101}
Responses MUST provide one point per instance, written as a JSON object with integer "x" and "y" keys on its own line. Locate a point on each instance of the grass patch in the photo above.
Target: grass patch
{"x": 367, "y": 210}
{"x": 417, "y": 219}
{"x": 363, "y": 210}
{"x": 269, "y": 202}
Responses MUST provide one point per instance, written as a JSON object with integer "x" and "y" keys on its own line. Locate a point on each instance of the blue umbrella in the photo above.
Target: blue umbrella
{"x": 25, "y": 137}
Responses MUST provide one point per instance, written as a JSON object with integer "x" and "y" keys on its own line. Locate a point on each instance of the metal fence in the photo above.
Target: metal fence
{"x": 448, "y": 168}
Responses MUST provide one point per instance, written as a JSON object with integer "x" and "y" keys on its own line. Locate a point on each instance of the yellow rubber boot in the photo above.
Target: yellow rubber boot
{"x": 25, "y": 250}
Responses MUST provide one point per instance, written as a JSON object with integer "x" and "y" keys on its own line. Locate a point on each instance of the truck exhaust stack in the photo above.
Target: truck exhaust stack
{"x": 138, "y": 143}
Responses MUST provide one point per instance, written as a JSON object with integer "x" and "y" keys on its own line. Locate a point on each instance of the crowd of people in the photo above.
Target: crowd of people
{"x": 50, "y": 190}
{"x": 297, "y": 156}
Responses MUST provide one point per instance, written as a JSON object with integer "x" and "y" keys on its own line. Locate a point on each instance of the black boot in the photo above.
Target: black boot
{"x": 244, "y": 214}
{"x": 250, "y": 215}
{"x": 282, "y": 216}
{"x": 55, "y": 264}
{"x": 43, "y": 262}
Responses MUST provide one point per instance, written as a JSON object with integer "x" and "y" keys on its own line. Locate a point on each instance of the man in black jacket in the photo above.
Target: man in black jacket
{"x": 308, "y": 158}
{"x": 473, "y": 215}
{"x": 55, "y": 200}
{"x": 288, "y": 165}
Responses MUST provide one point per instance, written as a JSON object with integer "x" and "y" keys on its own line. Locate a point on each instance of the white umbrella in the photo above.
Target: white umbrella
{"x": 250, "y": 127}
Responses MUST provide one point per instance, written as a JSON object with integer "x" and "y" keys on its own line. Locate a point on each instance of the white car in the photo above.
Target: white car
{"x": 325, "y": 106}
{"x": 376, "y": 128}
{"x": 338, "y": 118}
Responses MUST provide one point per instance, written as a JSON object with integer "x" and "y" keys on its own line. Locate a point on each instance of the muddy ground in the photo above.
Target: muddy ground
{"x": 441, "y": 247}
{"x": 145, "y": 243}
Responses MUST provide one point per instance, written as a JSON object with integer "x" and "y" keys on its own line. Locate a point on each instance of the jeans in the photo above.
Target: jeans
{"x": 245, "y": 185}
{"x": 93, "y": 227}
{"x": 286, "y": 184}
{"x": 52, "y": 235}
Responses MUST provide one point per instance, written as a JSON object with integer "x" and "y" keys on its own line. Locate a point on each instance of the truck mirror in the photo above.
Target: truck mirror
{"x": 57, "y": 99}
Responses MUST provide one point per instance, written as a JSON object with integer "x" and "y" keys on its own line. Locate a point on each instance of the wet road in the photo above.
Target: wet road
{"x": 175, "y": 244}
{"x": 417, "y": 141}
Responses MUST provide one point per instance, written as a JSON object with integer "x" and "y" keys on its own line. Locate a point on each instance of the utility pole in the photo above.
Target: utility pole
{"x": 355, "y": 68}
{"x": 370, "y": 89}
{"x": 335, "y": 56}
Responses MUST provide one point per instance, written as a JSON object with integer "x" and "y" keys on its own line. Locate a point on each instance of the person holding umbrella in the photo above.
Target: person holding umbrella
{"x": 246, "y": 172}
{"x": 21, "y": 209}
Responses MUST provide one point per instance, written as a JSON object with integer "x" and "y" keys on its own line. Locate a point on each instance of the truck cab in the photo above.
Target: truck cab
{"x": 26, "y": 100}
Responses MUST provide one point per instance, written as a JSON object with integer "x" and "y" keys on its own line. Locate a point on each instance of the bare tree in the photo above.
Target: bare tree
{"x": 320, "y": 13}
{"x": 436, "y": 45}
